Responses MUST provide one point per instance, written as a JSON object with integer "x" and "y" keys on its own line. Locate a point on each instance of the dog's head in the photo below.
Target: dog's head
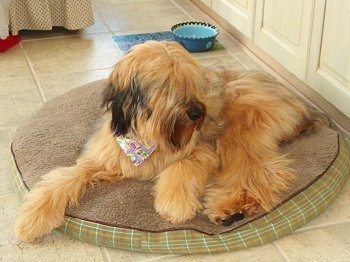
{"x": 157, "y": 92}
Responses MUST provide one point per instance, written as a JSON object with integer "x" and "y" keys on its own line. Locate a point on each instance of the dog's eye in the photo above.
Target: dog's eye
{"x": 194, "y": 113}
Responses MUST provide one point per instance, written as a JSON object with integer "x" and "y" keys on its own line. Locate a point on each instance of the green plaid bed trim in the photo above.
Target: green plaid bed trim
{"x": 282, "y": 221}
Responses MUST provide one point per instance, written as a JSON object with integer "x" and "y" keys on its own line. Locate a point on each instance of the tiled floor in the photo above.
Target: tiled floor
{"x": 47, "y": 64}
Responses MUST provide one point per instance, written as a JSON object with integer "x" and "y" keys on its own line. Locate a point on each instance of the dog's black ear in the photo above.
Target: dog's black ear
{"x": 123, "y": 105}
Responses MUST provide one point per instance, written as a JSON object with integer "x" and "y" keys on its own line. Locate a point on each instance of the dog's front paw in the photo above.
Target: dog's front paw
{"x": 176, "y": 209}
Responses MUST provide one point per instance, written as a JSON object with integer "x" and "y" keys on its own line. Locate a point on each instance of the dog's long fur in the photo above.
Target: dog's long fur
{"x": 217, "y": 134}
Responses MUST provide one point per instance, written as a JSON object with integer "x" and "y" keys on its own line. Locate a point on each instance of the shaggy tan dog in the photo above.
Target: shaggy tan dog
{"x": 214, "y": 134}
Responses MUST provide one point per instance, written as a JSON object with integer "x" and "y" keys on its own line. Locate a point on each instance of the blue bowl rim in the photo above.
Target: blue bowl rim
{"x": 194, "y": 23}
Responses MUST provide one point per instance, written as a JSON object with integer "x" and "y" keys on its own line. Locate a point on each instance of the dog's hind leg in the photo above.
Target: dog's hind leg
{"x": 253, "y": 173}
{"x": 44, "y": 206}
{"x": 251, "y": 185}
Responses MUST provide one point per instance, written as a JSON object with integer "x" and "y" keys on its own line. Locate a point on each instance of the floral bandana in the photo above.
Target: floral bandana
{"x": 135, "y": 150}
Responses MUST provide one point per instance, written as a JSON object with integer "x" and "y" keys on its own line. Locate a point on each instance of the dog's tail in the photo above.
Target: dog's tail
{"x": 44, "y": 206}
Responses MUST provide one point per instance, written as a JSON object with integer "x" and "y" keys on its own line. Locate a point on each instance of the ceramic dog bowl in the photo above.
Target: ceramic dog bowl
{"x": 195, "y": 36}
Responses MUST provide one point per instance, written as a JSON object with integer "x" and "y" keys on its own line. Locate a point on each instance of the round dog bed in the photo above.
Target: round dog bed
{"x": 122, "y": 215}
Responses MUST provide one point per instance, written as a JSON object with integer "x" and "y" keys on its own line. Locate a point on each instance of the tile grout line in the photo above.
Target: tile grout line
{"x": 182, "y": 9}
{"x": 239, "y": 60}
{"x": 317, "y": 227}
{"x": 76, "y": 71}
{"x": 281, "y": 252}
{"x": 105, "y": 254}
{"x": 61, "y": 37}
{"x": 32, "y": 71}
{"x": 96, "y": 11}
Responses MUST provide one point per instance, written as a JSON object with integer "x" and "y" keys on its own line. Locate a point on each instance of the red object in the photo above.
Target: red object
{"x": 9, "y": 42}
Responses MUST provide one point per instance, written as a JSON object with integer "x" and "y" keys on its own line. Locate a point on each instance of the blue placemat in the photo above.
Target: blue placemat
{"x": 125, "y": 42}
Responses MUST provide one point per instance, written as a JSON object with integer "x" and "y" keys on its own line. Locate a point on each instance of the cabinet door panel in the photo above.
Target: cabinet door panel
{"x": 283, "y": 30}
{"x": 329, "y": 72}
{"x": 239, "y": 13}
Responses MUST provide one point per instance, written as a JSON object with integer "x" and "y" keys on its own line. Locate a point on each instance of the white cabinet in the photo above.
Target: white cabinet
{"x": 237, "y": 12}
{"x": 283, "y": 29}
{"x": 329, "y": 71}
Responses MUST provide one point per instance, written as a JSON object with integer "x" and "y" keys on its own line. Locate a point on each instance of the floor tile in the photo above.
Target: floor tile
{"x": 328, "y": 244}
{"x": 73, "y": 53}
{"x": 54, "y": 247}
{"x": 128, "y": 256}
{"x": 249, "y": 62}
{"x": 338, "y": 212}
{"x": 5, "y": 142}
{"x": 56, "y": 84}
{"x": 123, "y": 16}
{"x": 224, "y": 62}
{"x": 19, "y": 97}
{"x": 13, "y": 63}
{"x": 263, "y": 253}
{"x": 211, "y": 54}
